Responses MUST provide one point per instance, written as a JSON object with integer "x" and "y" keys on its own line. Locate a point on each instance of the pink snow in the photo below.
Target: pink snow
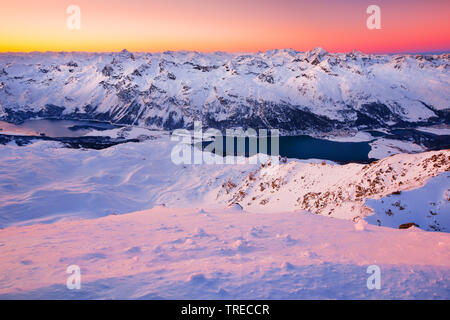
{"x": 198, "y": 253}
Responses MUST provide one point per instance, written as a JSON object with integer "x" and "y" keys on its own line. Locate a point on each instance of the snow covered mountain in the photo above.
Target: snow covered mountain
{"x": 304, "y": 92}
{"x": 342, "y": 191}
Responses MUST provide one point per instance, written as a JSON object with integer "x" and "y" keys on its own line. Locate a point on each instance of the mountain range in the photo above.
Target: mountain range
{"x": 313, "y": 92}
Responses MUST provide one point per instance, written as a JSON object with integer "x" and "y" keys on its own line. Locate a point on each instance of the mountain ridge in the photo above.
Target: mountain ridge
{"x": 297, "y": 92}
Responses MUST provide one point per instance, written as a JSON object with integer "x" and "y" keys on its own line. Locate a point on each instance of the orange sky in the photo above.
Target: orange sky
{"x": 226, "y": 25}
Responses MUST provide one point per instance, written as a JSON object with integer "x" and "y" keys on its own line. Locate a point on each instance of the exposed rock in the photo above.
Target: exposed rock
{"x": 408, "y": 225}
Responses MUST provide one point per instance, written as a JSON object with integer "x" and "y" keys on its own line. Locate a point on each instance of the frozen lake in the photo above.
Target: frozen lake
{"x": 54, "y": 128}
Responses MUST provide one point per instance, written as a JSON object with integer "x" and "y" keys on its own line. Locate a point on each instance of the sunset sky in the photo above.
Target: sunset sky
{"x": 231, "y": 25}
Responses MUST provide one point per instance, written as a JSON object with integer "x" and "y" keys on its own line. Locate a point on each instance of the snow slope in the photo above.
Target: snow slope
{"x": 333, "y": 190}
{"x": 44, "y": 182}
{"x": 309, "y": 92}
{"x": 428, "y": 206}
{"x": 141, "y": 227}
{"x": 382, "y": 148}
{"x": 206, "y": 254}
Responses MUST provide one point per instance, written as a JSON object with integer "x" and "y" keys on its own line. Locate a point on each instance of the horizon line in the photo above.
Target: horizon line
{"x": 433, "y": 52}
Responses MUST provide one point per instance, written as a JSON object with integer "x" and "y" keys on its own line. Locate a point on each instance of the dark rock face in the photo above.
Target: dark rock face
{"x": 379, "y": 112}
{"x": 107, "y": 71}
{"x": 408, "y": 225}
{"x": 51, "y": 111}
{"x": 18, "y": 116}
{"x": 263, "y": 115}
{"x": 429, "y": 140}
{"x": 266, "y": 77}
{"x": 86, "y": 142}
